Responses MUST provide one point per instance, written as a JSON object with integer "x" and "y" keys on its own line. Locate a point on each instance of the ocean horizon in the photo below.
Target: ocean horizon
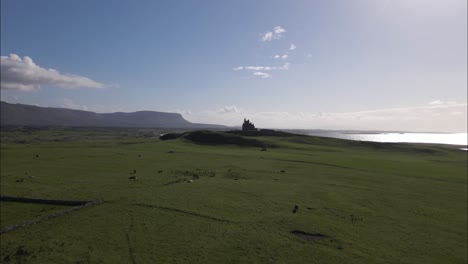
{"x": 459, "y": 139}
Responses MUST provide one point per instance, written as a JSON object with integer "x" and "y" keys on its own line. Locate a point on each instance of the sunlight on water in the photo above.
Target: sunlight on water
{"x": 437, "y": 138}
{"x": 452, "y": 139}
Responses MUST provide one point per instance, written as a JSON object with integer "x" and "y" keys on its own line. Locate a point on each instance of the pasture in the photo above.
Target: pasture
{"x": 210, "y": 202}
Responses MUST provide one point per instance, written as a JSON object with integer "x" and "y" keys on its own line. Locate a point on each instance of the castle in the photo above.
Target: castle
{"x": 248, "y": 126}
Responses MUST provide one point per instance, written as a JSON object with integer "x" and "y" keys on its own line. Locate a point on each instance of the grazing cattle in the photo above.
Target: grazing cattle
{"x": 295, "y": 209}
{"x": 134, "y": 172}
{"x": 189, "y": 181}
{"x": 37, "y": 156}
{"x": 133, "y": 178}
{"x": 20, "y": 180}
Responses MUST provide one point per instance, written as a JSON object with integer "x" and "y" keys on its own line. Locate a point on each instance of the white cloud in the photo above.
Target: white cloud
{"x": 260, "y": 70}
{"x": 267, "y": 36}
{"x": 183, "y": 112}
{"x": 292, "y": 47}
{"x": 439, "y": 102}
{"x": 25, "y": 75}
{"x": 271, "y": 35}
{"x": 309, "y": 55}
{"x": 229, "y": 109}
{"x": 263, "y": 68}
{"x": 436, "y": 102}
{"x": 278, "y": 30}
{"x": 262, "y": 74}
{"x": 283, "y": 57}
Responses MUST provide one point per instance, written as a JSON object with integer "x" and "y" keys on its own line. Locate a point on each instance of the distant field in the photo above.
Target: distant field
{"x": 199, "y": 202}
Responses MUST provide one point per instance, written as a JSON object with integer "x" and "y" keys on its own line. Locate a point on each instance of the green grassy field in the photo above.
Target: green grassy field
{"x": 373, "y": 203}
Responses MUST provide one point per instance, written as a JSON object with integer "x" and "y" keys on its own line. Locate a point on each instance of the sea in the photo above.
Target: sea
{"x": 459, "y": 139}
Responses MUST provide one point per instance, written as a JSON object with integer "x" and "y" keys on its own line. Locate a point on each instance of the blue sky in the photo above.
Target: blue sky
{"x": 390, "y": 65}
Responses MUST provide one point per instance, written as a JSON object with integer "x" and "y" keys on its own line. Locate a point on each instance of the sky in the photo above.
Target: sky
{"x": 396, "y": 65}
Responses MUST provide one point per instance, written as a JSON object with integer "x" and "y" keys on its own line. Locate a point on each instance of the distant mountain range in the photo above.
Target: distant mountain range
{"x": 30, "y": 115}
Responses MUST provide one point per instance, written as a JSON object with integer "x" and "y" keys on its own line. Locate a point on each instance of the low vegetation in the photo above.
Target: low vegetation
{"x": 215, "y": 197}
{"x": 215, "y": 138}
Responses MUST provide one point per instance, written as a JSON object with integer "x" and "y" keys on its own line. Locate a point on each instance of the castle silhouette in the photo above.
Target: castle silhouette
{"x": 248, "y": 126}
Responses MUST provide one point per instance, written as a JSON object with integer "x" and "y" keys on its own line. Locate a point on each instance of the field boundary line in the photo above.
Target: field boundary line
{"x": 77, "y": 206}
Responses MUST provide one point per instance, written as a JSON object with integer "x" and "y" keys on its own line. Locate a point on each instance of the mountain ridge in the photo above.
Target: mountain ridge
{"x": 31, "y": 115}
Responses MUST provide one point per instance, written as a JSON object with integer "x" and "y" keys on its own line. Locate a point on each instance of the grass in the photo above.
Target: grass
{"x": 14, "y": 213}
{"x": 372, "y": 202}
